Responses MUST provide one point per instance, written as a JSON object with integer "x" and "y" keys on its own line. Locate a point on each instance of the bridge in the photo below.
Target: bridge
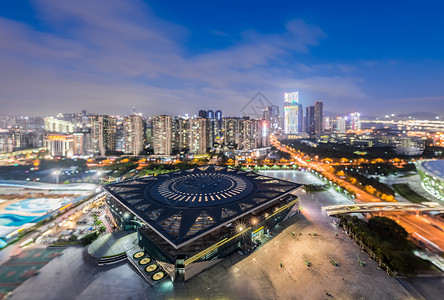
{"x": 373, "y": 207}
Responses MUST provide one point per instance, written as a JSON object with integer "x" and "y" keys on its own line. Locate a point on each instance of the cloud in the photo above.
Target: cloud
{"x": 105, "y": 56}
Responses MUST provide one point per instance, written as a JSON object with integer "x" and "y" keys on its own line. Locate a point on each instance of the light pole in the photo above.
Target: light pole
{"x": 240, "y": 228}
{"x": 57, "y": 174}
{"x": 99, "y": 176}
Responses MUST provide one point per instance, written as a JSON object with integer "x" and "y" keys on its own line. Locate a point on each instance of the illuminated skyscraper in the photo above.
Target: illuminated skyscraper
{"x": 327, "y": 123}
{"x": 162, "y": 135}
{"x": 291, "y": 113}
{"x": 249, "y": 134}
{"x": 218, "y": 115}
{"x": 271, "y": 113}
{"x": 231, "y": 132}
{"x": 355, "y": 121}
{"x": 341, "y": 124}
{"x": 198, "y": 136}
{"x": 134, "y": 134}
{"x": 103, "y": 134}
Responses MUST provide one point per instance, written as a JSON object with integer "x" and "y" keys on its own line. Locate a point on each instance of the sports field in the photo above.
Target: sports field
{"x": 23, "y": 266}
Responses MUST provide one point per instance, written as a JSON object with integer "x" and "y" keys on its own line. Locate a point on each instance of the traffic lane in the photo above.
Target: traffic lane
{"x": 412, "y": 224}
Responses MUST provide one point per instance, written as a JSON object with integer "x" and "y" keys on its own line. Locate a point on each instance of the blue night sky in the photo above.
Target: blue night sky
{"x": 176, "y": 57}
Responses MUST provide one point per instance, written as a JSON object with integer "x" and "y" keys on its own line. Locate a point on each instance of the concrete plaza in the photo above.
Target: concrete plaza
{"x": 256, "y": 276}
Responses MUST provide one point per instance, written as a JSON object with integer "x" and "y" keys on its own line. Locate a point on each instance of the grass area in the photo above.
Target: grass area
{"x": 65, "y": 243}
{"x": 405, "y": 191}
{"x": 312, "y": 188}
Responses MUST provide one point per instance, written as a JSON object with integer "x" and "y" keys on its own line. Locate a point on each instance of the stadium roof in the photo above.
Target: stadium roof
{"x": 434, "y": 168}
{"x": 184, "y": 205}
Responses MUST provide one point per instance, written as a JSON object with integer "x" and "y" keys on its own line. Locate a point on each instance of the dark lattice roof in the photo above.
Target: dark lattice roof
{"x": 185, "y": 204}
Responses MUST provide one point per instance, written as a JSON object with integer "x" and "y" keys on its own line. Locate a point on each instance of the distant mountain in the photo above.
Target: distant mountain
{"x": 421, "y": 115}
{"x": 334, "y": 115}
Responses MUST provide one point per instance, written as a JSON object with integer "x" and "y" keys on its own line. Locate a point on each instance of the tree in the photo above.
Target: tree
{"x": 102, "y": 229}
{"x": 387, "y": 228}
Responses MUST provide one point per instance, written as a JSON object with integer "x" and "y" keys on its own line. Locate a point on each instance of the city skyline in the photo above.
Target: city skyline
{"x": 221, "y": 150}
{"x": 68, "y": 56}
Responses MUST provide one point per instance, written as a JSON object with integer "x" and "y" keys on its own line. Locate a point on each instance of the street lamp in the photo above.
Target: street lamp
{"x": 240, "y": 228}
{"x": 57, "y": 174}
{"x": 99, "y": 176}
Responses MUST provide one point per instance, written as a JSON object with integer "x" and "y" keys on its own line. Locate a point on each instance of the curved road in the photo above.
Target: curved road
{"x": 432, "y": 229}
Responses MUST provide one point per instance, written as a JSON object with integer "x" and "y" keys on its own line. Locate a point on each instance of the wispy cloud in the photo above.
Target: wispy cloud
{"x": 107, "y": 55}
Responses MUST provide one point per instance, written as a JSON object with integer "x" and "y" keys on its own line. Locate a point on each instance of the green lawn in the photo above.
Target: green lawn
{"x": 405, "y": 191}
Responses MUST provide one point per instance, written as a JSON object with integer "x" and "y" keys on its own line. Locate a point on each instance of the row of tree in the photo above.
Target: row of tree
{"x": 371, "y": 185}
{"x": 386, "y": 242}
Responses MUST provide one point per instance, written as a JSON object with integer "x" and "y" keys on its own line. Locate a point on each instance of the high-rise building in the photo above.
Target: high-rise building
{"x": 162, "y": 135}
{"x": 198, "y": 136}
{"x": 300, "y": 119}
{"x": 318, "y": 117}
{"x": 120, "y": 135}
{"x": 218, "y": 115}
{"x": 327, "y": 124}
{"x": 231, "y": 132}
{"x": 60, "y": 126}
{"x": 181, "y": 135}
{"x": 266, "y": 113}
{"x": 149, "y": 132}
{"x": 355, "y": 121}
{"x": 291, "y": 113}
{"x": 67, "y": 145}
{"x": 271, "y": 113}
{"x": 202, "y": 113}
{"x": 249, "y": 134}
{"x": 264, "y": 131}
{"x": 210, "y": 114}
{"x": 134, "y": 134}
{"x": 310, "y": 120}
{"x": 341, "y": 124}
{"x": 103, "y": 134}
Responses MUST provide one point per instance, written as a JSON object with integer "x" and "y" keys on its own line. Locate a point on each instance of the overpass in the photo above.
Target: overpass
{"x": 373, "y": 207}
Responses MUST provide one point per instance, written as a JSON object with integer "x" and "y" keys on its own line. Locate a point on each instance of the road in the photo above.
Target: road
{"x": 424, "y": 225}
{"x": 15, "y": 248}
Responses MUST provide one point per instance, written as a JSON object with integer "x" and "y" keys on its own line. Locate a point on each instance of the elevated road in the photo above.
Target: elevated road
{"x": 422, "y": 228}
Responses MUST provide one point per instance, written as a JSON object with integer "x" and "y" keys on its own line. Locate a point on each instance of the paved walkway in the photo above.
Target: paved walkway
{"x": 113, "y": 243}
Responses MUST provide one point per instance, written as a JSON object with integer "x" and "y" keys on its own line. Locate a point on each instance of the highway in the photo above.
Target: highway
{"x": 425, "y": 226}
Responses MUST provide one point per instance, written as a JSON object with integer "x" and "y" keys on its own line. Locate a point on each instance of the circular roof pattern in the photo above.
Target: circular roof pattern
{"x": 186, "y": 204}
{"x": 201, "y": 189}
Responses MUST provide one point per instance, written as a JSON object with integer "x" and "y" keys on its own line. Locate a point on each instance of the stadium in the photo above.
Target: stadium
{"x": 189, "y": 220}
{"x": 432, "y": 176}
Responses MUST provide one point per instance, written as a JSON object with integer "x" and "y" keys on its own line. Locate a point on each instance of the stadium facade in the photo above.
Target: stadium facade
{"x": 432, "y": 176}
{"x": 189, "y": 220}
